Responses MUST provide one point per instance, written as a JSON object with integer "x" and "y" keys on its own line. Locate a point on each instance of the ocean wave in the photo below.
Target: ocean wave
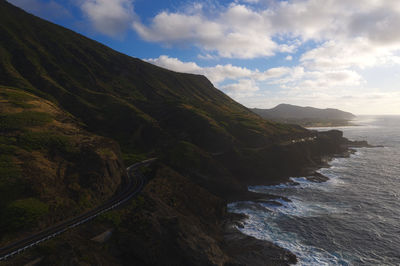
{"x": 349, "y": 219}
{"x": 295, "y": 208}
{"x": 301, "y": 183}
{"x": 295, "y": 182}
{"x": 265, "y": 226}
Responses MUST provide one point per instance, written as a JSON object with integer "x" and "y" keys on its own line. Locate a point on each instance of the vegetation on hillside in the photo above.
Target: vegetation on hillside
{"x": 147, "y": 109}
{"x": 42, "y": 179}
{"x": 69, "y": 104}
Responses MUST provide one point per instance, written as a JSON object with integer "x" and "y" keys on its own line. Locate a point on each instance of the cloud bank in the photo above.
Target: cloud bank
{"x": 109, "y": 17}
{"x": 325, "y": 45}
{"x": 334, "y": 40}
{"x": 245, "y": 31}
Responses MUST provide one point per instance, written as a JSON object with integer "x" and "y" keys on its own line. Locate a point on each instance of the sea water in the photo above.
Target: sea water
{"x": 353, "y": 218}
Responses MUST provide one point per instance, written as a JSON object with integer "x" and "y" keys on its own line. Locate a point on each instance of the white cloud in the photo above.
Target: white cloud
{"x": 242, "y": 89}
{"x": 243, "y": 86}
{"x": 358, "y": 53}
{"x": 366, "y": 102}
{"x": 109, "y": 17}
{"x": 272, "y": 73}
{"x": 340, "y": 39}
{"x": 220, "y": 73}
{"x": 175, "y": 64}
{"x": 216, "y": 74}
{"x": 243, "y": 31}
{"x": 339, "y": 43}
{"x": 244, "y": 80}
{"x": 235, "y": 33}
{"x": 248, "y": 1}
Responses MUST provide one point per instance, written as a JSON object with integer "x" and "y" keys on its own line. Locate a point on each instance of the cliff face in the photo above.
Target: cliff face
{"x": 68, "y": 104}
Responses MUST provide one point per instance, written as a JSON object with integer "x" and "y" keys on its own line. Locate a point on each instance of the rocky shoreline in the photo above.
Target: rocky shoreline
{"x": 251, "y": 251}
{"x": 247, "y": 250}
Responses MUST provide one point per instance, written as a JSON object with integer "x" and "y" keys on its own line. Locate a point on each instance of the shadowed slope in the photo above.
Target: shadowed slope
{"x": 209, "y": 148}
{"x": 116, "y": 95}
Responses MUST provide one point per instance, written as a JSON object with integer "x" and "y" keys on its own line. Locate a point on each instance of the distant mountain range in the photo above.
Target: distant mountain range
{"x": 306, "y": 116}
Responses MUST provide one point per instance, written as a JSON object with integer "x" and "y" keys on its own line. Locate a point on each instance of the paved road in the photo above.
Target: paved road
{"x": 134, "y": 186}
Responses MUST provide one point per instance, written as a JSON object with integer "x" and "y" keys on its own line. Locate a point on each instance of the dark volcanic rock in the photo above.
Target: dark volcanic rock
{"x": 247, "y": 250}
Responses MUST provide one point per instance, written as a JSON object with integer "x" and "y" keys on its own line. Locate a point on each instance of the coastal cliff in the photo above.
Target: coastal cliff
{"x": 110, "y": 111}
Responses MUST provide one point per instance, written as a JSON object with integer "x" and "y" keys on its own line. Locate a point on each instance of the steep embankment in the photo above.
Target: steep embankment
{"x": 209, "y": 148}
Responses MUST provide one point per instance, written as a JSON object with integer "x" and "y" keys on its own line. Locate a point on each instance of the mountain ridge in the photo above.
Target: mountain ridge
{"x": 305, "y": 116}
{"x": 210, "y": 148}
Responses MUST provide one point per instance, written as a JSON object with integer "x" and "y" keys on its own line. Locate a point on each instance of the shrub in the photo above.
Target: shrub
{"x": 11, "y": 184}
{"x": 7, "y": 149}
{"x": 23, "y": 213}
{"x": 131, "y": 158}
{"x": 45, "y": 141}
{"x": 17, "y": 121}
{"x": 111, "y": 217}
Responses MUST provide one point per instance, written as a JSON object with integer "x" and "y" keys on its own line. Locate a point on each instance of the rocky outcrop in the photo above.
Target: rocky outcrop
{"x": 247, "y": 250}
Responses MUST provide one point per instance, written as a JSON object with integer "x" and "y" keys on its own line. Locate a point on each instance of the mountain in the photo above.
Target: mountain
{"x": 148, "y": 110}
{"x": 75, "y": 114}
{"x": 305, "y": 116}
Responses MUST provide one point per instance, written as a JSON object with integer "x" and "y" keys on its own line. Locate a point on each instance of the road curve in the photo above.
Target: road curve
{"x": 133, "y": 187}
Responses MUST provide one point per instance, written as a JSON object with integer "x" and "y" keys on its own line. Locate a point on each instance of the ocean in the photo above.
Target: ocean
{"x": 353, "y": 218}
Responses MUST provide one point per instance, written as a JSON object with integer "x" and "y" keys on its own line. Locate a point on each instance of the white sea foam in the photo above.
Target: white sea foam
{"x": 264, "y": 226}
{"x": 354, "y": 221}
{"x": 296, "y": 182}
{"x": 302, "y": 183}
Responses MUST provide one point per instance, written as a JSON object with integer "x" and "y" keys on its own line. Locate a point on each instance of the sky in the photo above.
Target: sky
{"x": 321, "y": 53}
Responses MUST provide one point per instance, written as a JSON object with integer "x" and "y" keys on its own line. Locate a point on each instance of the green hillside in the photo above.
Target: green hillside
{"x": 50, "y": 167}
{"x": 147, "y": 109}
{"x": 116, "y": 95}
{"x": 69, "y": 105}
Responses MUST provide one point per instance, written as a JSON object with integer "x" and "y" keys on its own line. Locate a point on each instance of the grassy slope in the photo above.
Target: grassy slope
{"x": 196, "y": 130}
{"x": 112, "y": 92}
{"x": 50, "y": 168}
{"x": 147, "y": 109}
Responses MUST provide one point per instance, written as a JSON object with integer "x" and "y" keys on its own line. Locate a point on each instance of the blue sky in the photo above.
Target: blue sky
{"x": 322, "y": 53}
